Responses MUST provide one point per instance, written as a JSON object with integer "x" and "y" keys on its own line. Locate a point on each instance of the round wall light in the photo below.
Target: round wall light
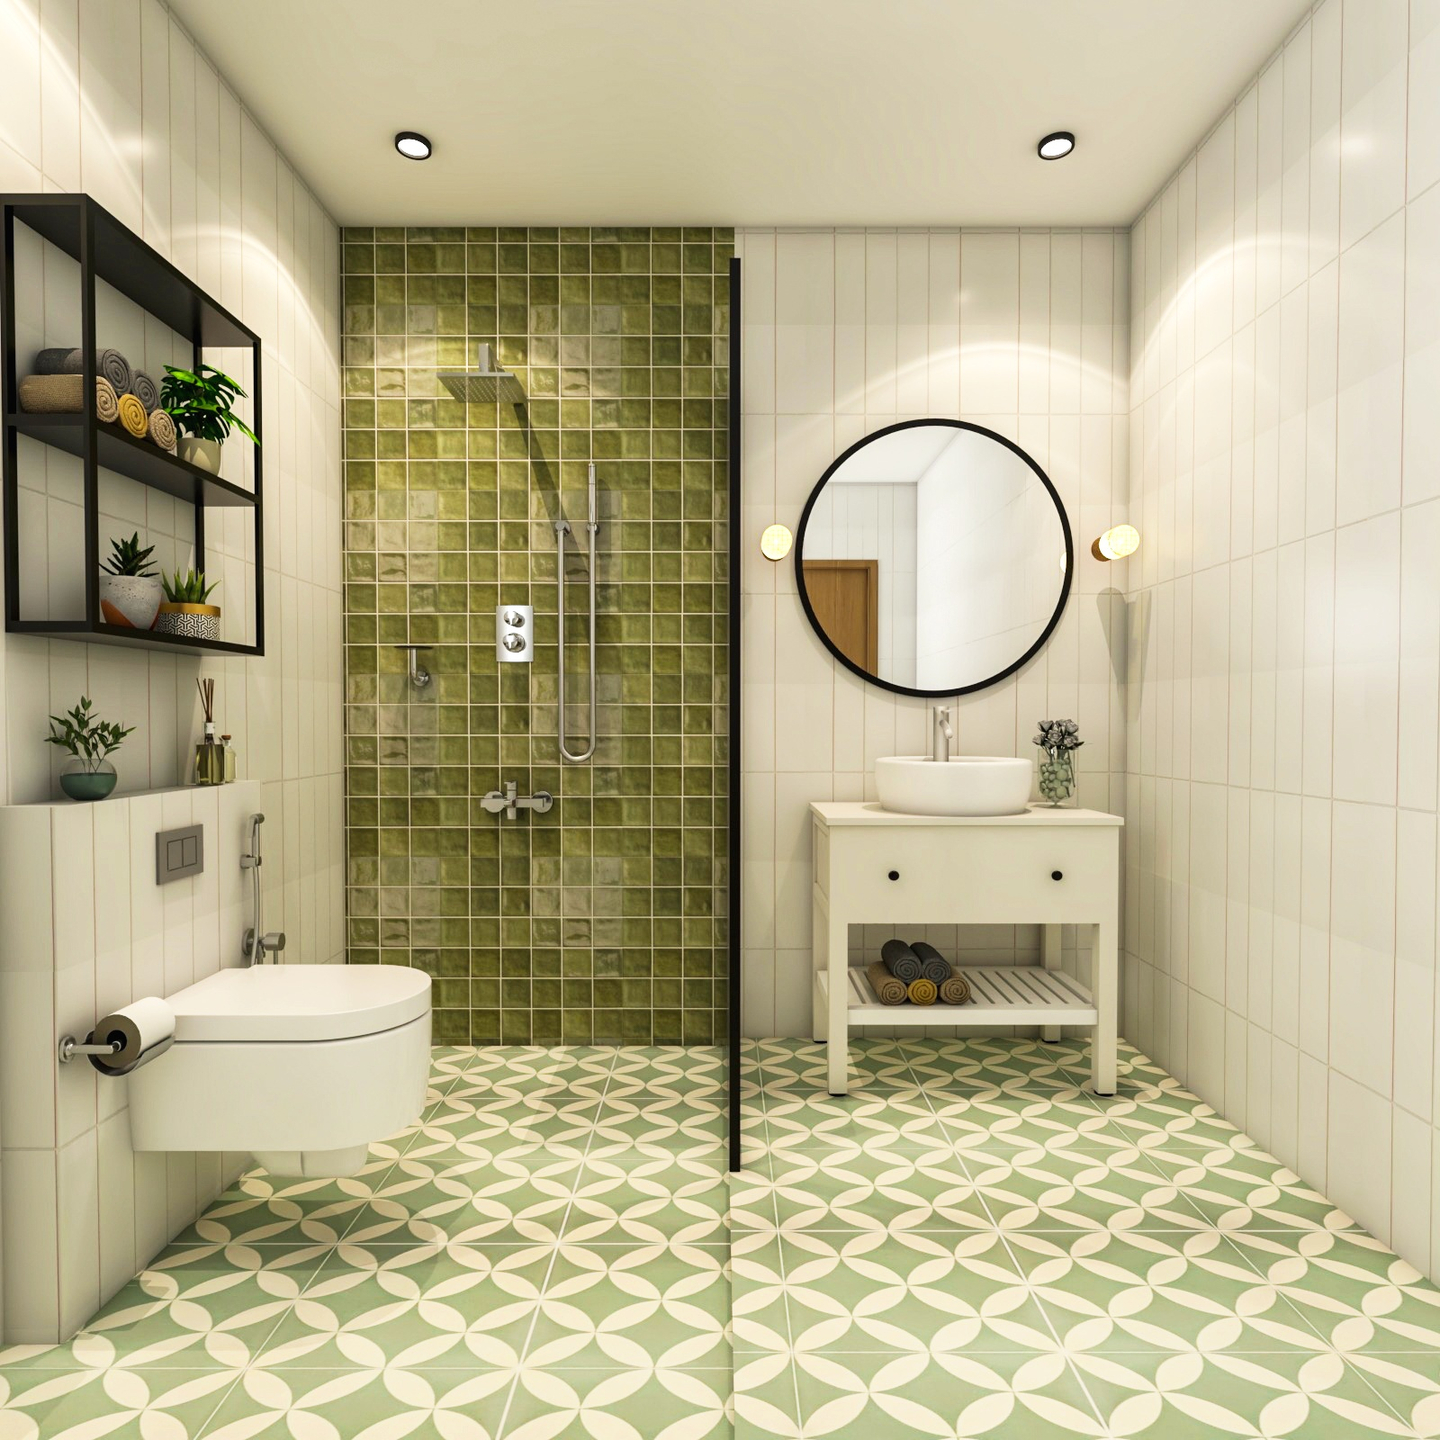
{"x": 776, "y": 541}
{"x": 1056, "y": 146}
{"x": 1116, "y": 543}
{"x": 413, "y": 145}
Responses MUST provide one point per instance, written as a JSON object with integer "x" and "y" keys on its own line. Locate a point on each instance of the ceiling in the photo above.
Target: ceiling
{"x": 746, "y": 112}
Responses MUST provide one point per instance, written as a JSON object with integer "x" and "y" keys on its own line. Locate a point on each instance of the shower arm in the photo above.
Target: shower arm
{"x": 562, "y": 529}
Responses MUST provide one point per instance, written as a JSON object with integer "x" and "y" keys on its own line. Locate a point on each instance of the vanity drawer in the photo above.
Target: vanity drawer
{"x": 978, "y": 875}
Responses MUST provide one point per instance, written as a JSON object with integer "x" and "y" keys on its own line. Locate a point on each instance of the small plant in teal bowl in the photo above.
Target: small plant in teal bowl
{"x": 88, "y": 773}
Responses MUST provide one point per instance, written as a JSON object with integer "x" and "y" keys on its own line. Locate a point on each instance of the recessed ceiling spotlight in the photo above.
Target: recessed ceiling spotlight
{"x": 413, "y": 145}
{"x": 1056, "y": 146}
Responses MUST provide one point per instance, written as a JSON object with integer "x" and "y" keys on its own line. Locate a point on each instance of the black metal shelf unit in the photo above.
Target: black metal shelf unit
{"x": 109, "y": 251}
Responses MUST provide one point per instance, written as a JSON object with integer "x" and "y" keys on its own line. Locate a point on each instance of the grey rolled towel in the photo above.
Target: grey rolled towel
{"x": 109, "y": 363}
{"x": 145, "y": 390}
{"x": 60, "y": 361}
{"x": 900, "y": 960}
{"x": 933, "y": 965}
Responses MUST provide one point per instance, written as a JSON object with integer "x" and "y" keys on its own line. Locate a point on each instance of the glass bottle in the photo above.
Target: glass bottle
{"x": 229, "y": 760}
{"x": 209, "y": 759}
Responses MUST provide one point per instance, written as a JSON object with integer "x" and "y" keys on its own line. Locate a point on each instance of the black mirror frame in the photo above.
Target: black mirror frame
{"x": 890, "y": 685}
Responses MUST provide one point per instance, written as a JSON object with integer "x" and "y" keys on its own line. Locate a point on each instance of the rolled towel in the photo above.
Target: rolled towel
{"x": 115, "y": 368}
{"x": 133, "y": 416}
{"x": 933, "y": 965}
{"x": 60, "y": 361}
{"x": 162, "y": 430}
{"x": 52, "y": 394}
{"x": 955, "y": 990}
{"x": 109, "y": 363}
{"x": 107, "y": 402}
{"x": 145, "y": 390}
{"x": 922, "y": 991}
{"x": 888, "y": 990}
{"x": 900, "y": 960}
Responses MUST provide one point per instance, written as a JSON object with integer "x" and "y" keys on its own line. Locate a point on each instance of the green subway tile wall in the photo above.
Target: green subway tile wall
{"x": 602, "y": 921}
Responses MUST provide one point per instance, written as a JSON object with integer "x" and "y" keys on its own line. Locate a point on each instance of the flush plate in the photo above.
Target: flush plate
{"x": 179, "y": 853}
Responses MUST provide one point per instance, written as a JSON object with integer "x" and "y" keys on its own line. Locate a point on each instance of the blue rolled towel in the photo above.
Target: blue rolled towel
{"x": 933, "y": 965}
{"x": 900, "y": 960}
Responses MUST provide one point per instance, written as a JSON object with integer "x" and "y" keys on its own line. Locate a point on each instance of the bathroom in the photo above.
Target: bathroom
{"x": 775, "y": 774}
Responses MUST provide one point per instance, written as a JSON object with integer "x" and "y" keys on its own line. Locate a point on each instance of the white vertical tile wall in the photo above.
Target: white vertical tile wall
{"x": 845, "y": 331}
{"x": 112, "y": 97}
{"x": 1285, "y": 615}
{"x": 84, "y": 928}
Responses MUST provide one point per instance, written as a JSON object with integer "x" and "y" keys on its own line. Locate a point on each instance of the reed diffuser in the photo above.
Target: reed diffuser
{"x": 209, "y": 756}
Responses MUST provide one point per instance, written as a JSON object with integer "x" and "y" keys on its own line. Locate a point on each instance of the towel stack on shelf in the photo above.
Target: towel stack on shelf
{"x": 123, "y": 395}
{"x": 916, "y": 974}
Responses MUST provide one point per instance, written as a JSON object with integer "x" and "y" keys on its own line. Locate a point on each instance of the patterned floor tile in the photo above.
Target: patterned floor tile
{"x": 1005, "y": 1396}
{"x": 1156, "y": 1290}
{"x": 970, "y": 1243}
{"x": 632, "y": 1404}
{"x": 906, "y": 1291}
{"x": 126, "y": 1402}
{"x": 364, "y": 1405}
{"x": 624, "y": 1307}
{"x": 416, "y": 1307}
{"x": 1188, "y": 1396}
{"x": 1059, "y": 1190}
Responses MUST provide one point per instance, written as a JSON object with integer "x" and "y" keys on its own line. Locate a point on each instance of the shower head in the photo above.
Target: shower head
{"x": 487, "y": 385}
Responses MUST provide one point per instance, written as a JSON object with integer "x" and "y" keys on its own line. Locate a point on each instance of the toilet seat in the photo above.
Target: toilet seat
{"x": 304, "y": 1066}
{"x": 299, "y": 1002}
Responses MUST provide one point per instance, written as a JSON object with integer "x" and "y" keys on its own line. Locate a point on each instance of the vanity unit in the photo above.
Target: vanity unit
{"x": 1048, "y": 866}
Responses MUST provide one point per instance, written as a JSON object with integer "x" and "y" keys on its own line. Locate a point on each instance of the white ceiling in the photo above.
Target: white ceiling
{"x": 747, "y": 112}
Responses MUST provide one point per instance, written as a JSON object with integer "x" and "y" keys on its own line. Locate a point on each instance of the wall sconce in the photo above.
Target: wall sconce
{"x": 775, "y": 543}
{"x": 1116, "y": 543}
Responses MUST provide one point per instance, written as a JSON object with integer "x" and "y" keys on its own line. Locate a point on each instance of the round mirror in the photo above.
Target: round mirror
{"x": 934, "y": 557}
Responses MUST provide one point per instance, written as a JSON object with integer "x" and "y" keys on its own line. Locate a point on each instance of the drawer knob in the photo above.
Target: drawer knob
{"x": 1057, "y": 874}
{"x": 894, "y": 874}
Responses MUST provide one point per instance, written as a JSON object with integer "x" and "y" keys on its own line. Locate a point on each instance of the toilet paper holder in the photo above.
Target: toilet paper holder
{"x": 70, "y": 1047}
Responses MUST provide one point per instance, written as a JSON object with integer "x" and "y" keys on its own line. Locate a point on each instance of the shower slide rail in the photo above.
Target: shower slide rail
{"x": 562, "y": 529}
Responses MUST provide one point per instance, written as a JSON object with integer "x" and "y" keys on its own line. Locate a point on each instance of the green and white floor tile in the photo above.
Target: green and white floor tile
{"x": 970, "y": 1244}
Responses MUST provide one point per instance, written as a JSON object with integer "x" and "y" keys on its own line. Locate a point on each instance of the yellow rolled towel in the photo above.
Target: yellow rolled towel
{"x": 52, "y": 394}
{"x": 888, "y": 990}
{"x": 107, "y": 402}
{"x": 133, "y": 416}
{"x": 955, "y": 990}
{"x": 922, "y": 991}
{"x": 162, "y": 430}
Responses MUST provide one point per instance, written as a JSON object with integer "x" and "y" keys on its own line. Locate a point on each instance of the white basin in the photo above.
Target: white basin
{"x": 963, "y": 785}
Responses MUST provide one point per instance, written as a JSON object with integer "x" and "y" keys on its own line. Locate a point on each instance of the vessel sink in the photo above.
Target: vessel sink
{"x": 962, "y": 785}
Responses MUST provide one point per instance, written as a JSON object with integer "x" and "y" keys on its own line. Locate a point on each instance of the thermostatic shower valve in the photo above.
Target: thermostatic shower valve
{"x": 514, "y": 632}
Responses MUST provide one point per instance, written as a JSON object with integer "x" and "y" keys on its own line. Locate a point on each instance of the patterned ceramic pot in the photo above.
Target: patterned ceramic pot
{"x": 199, "y": 622}
{"x": 129, "y": 599}
{"x": 204, "y": 454}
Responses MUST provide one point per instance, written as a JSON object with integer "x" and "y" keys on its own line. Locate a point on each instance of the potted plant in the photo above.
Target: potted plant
{"x": 201, "y": 403}
{"x": 87, "y": 774}
{"x": 129, "y": 586}
{"x": 183, "y": 611}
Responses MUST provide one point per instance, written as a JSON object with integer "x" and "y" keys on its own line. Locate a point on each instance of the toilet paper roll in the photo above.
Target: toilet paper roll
{"x": 144, "y": 1029}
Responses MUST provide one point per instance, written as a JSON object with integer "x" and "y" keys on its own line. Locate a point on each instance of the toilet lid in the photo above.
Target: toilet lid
{"x": 300, "y": 1002}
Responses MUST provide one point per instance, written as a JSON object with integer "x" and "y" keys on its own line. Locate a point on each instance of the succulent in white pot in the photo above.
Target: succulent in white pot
{"x": 129, "y": 588}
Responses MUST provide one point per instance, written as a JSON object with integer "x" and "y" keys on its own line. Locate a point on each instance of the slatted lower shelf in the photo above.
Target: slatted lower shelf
{"x": 1000, "y": 995}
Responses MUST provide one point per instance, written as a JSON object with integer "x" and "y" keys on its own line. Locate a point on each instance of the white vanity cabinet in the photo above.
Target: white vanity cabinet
{"x": 1050, "y": 867}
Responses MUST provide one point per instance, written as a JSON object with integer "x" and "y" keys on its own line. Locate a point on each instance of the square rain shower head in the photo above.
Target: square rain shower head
{"x": 487, "y": 385}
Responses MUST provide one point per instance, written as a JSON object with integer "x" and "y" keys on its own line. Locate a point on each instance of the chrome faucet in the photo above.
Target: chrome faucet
{"x": 257, "y": 942}
{"x": 944, "y": 734}
{"x": 509, "y": 802}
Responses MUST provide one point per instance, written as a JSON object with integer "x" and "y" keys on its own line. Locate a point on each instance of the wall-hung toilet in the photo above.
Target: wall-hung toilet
{"x": 301, "y": 1065}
